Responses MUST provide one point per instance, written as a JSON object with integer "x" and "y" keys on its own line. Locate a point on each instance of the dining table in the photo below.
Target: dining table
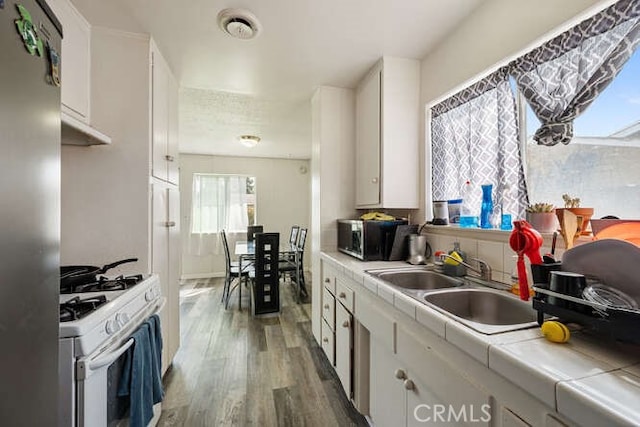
{"x": 245, "y": 251}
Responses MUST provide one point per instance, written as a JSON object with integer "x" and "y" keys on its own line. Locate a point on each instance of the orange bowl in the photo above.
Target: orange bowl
{"x": 629, "y": 231}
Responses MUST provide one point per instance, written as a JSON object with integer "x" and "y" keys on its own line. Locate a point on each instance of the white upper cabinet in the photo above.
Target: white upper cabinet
{"x": 387, "y": 132}
{"x": 164, "y": 118}
{"x": 75, "y": 77}
{"x": 75, "y": 61}
{"x": 368, "y": 141}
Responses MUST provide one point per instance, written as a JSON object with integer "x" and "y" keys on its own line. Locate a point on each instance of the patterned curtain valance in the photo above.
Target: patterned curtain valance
{"x": 561, "y": 78}
{"x": 488, "y": 83}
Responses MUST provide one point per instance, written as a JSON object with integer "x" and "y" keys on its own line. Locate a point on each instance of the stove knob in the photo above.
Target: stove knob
{"x": 148, "y": 296}
{"x": 122, "y": 318}
{"x": 112, "y": 327}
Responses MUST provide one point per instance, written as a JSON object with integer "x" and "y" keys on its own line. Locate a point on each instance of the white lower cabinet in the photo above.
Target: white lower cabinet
{"x": 328, "y": 342}
{"x": 387, "y": 397}
{"x": 398, "y": 397}
{"x": 328, "y": 325}
{"x": 411, "y": 388}
{"x": 344, "y": 348}
{"x": 446, "y": 397}
{"x": 337, "y": 330}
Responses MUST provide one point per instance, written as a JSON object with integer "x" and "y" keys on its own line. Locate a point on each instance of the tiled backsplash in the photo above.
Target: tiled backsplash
{"x": 491, "y": 246}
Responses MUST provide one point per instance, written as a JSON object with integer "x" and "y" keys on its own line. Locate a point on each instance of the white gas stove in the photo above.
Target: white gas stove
{"x": 95, "y": 333}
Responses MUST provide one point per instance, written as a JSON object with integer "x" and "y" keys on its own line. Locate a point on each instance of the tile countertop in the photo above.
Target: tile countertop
{"x": 591, "y": 381}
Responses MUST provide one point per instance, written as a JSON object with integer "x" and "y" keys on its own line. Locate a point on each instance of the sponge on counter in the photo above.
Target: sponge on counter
{"x": 456, "y": 261}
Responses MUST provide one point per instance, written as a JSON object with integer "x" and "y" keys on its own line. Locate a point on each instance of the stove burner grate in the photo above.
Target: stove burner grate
{"x": 77, "y": 308}
{"x": 104, "y": 284}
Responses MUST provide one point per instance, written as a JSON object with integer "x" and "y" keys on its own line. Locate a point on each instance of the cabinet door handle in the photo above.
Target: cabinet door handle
{"x": 342, "y": 295}
{"x": 326, "y": 307}
{"x": 327, "y": 280}
{"x": 409, "y": 385}
{"x": 170, "y": 224}
{"x": 325, "y": 339}
{"x": 169, "y": 158}
{"x": 400, "y": 374}
{"x": 345, "y": 324}
{"x": 374, "y": 180}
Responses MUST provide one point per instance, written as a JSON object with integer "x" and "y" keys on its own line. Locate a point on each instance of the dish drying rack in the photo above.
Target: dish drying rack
{"x": 615, "y": 323}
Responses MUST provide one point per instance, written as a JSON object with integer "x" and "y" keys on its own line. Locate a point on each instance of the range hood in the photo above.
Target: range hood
{"x": 75, "y": 132}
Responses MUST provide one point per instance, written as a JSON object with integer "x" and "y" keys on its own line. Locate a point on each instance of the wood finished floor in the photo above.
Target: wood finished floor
{"x": 233, "y": 369}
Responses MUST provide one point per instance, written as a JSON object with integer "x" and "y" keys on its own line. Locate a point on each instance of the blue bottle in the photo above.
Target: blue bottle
{"x": 487, "y": 206}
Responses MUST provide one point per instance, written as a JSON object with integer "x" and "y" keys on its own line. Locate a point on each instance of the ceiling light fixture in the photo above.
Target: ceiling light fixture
{"x": 239, "y": 23}
{"x": 249, "y": 140}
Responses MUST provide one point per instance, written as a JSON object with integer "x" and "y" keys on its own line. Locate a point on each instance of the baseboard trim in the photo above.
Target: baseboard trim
{"x": 201, "y": 276}
{"x": 215, "y": 275}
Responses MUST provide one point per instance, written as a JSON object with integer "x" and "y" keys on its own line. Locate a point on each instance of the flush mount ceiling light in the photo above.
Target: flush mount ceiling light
{"x": 239, "y": 23}
{"x": 249, "y": 140}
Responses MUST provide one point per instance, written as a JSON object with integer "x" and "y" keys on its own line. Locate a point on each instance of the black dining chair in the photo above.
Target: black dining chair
{"x": 302, "y": 238}
{"x": 287, "y": 259}
{"x": 233, "y": 271}
{"x": 291, "y": 264}
{"x": 252, "y": 230}
{"x": 293, "y": 235}
{"x": 265, "y": 291}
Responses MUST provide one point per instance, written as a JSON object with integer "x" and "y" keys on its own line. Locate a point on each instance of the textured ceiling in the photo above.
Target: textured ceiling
{"x": 210, "y": 122}
{"x": 269, "y": 80}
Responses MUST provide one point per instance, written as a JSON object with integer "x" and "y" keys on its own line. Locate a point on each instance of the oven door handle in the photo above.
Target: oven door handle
{"x": 111, "y": 357}
{"x": 85, "y": 367}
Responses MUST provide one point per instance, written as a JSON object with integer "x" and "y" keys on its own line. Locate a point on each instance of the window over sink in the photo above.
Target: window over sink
{"x": 578, "y": 121}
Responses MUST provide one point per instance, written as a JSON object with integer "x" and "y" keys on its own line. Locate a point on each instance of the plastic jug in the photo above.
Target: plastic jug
{"x": 468, "y": 212}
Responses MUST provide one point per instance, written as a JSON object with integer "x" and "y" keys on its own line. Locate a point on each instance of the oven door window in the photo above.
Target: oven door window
{"x": 97, "y": 399}
{"x": 117, "y": 407}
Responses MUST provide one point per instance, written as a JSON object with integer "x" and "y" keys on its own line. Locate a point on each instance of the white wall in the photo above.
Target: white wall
{"x": 283, "y": 200}
{"x": 105, "y": 189}
{"x": 493, "y": 33}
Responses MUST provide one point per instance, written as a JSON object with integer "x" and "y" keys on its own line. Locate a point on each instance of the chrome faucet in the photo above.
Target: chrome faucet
{"x": 483, "y": 270}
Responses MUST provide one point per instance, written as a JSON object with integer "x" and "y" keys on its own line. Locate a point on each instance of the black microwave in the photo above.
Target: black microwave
{"x": 367, "y": 240}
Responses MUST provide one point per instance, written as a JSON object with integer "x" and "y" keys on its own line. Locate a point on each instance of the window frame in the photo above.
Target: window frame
{"x": 521, "y": 103}
{"x": 214, "y": 174}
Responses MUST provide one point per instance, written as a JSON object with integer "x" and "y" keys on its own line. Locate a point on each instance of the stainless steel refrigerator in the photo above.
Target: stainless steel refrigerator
{"x": 30, "y": 38}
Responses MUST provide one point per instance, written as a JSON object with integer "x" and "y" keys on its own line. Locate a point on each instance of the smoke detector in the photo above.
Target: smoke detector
{"x": 249, "y": 140}
{"x": 239, "y": 23}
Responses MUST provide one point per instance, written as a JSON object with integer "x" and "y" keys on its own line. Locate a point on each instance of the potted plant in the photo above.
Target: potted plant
{"x": 542, "y": 217}
{"x": 572, "y": 204}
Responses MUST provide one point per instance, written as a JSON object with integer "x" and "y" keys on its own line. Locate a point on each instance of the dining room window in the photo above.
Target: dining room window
{"x": 222, "y": 202}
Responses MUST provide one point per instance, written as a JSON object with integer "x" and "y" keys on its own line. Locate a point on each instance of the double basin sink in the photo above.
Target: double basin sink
{"x": 471, "y": 302}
